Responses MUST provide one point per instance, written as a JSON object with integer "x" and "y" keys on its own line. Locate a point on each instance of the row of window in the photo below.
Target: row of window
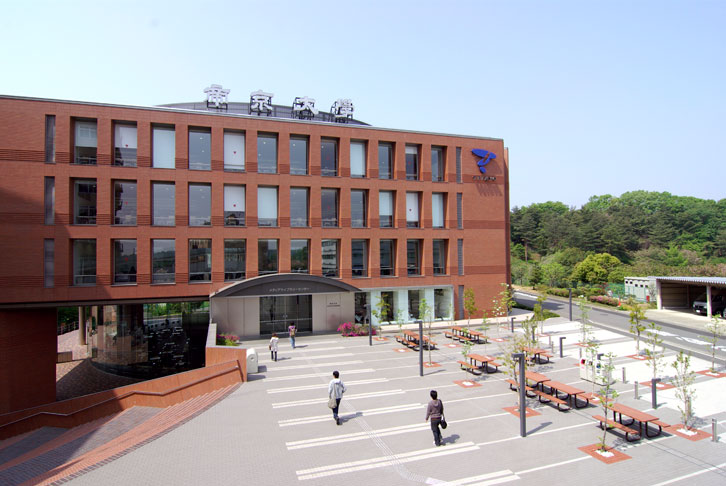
{"x": 163, "y": 195}
{"x": 163, "y": 152}
{"x": 163, "y": 258}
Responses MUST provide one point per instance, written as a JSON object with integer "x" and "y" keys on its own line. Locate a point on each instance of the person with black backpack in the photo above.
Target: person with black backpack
{"x": 435, "y": 412}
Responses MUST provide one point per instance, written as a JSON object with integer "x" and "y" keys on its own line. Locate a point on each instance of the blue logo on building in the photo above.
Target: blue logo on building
{"x": 486, "y": 157}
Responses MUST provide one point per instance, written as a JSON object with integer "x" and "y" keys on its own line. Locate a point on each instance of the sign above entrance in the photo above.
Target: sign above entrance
{"x": 284, "y": 284}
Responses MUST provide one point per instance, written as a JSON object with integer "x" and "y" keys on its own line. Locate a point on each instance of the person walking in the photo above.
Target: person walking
{"x": 435, "y": 412}
{"x": 273, "y": 347}
{"x": 336, "y": 388}
{"x": 292, "y": 330}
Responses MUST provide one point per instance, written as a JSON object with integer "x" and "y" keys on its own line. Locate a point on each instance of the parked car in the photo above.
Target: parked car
{"x": 718, "y": 305}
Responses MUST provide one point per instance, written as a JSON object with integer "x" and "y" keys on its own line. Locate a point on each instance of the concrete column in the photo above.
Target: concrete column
{"x": 81, "y": 326}
{"x": 658, "y": 296}
{"x": 708, "y": 301}
{"x": 428, "y": 294}
{"x": 400, "y": 301}
{"x": 374, "y": 296}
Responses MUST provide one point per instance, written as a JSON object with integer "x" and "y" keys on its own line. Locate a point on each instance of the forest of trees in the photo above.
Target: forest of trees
{"x": 640, "y": 233}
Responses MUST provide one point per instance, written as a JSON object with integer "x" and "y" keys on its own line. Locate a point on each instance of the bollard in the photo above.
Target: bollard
{"x": 550, "y": 338}
{"x": 570, "y": 304}
{"x": 580, "y": 350}
{"x": 420, "y": 347}
{"x": 561, "y": 339}
{"x": 552, "y": 347}
{"x": 522, "y": 394}
{"x": 635, "y": 389}
{"x": 512, "y": 325}
{"x": 654, "y": 392}
{"x": 714, "y": 430}
{"x": 624, "y": 380}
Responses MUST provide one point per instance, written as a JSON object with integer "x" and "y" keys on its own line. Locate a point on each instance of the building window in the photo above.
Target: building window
{"x": 329, "y": 157}
{"x": 413, "y": 257}
{"x": 414, "y": 300}
{"x": 163, "y": 147}
{"x": 48, "y": 263}
{"x": 267, "y": 153}
{"x": 441, "y": 304}
{"x": 124, "y": 203}
{"x": 49, "y": 201}
{"x": 200, "y": 260}
{"x": 299, "y": 256}
{"x": 163, "y": 203}
{"x": 163, "y": 258}
{"x": 458, "y": 165}
{"x": 84, "y": 262}
{"x": 84, "y": 202}
{"x": 329, "y": 208}
{"x": 460, "y": 255}
{"x": 385, "y": 161}
{"x": 358, "y": 208}
{"x": 359, "y": 258}
{"x": 235, "y": 254}
{"x": 124, "y": 261}
{"x": 50, "y": 139}
{"x": 330, "y": 258}
{"x": 412, "y": 212}
{"x": 200, "y": 149}
{"x": 412, "y": 164}
{"x": 200, "y": 205}
{"x": 459, "y": 210}
{"x": 387, "y": 298}
{"x": 266, "y": 256}
{"x": 298, "y": 155}
{"x": 86, "y": 141}
{"x": 437, "y": 210}
{"x": 234, "y": 205}
{"x": 299, "y": 207}
{"x": 388, "y": 258}
{"x": 439, "y": 259}
{"x": 357, "y": 159}
{"x": 385, "y": 208}
{"x": 234, "y": 151}
{"x": 267, "y": 206}
{"x": 437, "y": 164}
{"x": 124, "y": 144}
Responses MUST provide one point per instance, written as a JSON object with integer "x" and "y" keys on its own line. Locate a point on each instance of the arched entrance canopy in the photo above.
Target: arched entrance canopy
{"x": 284, "y": 284}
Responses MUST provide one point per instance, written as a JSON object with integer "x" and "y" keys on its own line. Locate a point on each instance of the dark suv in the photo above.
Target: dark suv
{"x": 718, "y": 305}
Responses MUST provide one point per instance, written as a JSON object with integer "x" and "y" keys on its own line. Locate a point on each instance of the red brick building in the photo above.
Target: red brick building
{"x": 125, "y": 210}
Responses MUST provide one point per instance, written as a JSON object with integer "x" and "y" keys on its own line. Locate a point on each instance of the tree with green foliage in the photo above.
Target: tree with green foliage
{"x": 535, "y": 276}
{"x": 381, "y": 311}
{"x": 683, "y": 381}
{"x": 554, "y": 274}
{"x": 585, "y": 326}
{"x": 637, "y": 314}
{"x": 674, "y": 257}
{"x": 608, "y": 395}
{"x": 595, "y": 269}
{"x": 716, "y": 328}
{"x": 469, "y": 305}
{"x": 655, "y": 356}
{"x": 539, "y": 312}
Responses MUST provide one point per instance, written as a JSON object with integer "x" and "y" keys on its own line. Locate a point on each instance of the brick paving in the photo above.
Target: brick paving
{"x": 78, "y": 378}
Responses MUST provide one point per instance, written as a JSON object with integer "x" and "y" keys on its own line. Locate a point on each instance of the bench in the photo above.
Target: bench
{"x": 468, "y": 367}
{"x": 612, "y": 423}
{"x": 463, "y": 338}
{"x": 491, "y": 363}
{"x": 449, "y": 334}
{"x": 550, "y": 398}
{"x": 513, "y": 385}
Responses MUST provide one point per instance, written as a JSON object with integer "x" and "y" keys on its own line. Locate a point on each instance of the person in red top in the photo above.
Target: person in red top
{"x": 435, "y": 412}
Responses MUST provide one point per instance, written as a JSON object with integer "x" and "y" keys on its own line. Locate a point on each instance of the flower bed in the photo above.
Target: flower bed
{"x": 227, "y": 340}
{"x": 602, "y": 299}
{"x": 350, "y": 329}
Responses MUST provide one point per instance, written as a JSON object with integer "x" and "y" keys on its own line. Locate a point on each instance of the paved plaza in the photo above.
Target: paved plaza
{"x": 277, "y": 429}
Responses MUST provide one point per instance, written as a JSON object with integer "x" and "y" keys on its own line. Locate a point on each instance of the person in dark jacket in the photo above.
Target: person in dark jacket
{"x": 435, "y": 412}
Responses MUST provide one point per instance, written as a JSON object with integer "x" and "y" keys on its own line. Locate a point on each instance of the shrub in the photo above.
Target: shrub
{"x": 602, "y": 299}
{"x": 350, "y": 329}
{"x": 558, "y": 292}
{"x": 227, "y": 340}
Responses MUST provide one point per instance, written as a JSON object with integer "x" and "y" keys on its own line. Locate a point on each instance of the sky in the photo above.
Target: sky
{"x": 591, "y": 97}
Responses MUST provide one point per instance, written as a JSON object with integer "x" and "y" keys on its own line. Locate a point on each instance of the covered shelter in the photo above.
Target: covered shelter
{"x": 681, "y": 292}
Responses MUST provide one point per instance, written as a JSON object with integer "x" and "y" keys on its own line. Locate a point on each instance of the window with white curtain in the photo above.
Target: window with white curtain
{"x": 267, "y": 206}
{"x": 412, "y": 213}
{"x": 385, "y": 208}
{"x": 234, "y": 205}
{"x": 234, "y": 151}
{"x": 437, "y": 210}
{"x": 164, "y": 148}
{"x": 357, "y": 159}
{"x": 124, "y": 142}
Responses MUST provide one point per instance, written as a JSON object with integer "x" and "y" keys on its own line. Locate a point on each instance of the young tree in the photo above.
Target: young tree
{"x": 484, "y": 328}
{"x": 683, "y": 381}
{"x": 608, "y": 395}
{"x": 652, "y": 352}
{"x": 507, "y": 348}
{"x": 502, "y": 304}
{"x": 716, "y": 327}
{"x": 585, "y": 326}
{"x": 424, "y": 312}
{"x": 539, "y": 313}
{"x": 469, "y": 305}
{"x": 637, "y": 314}
{"x": 381, "y": 311}
{"x": 466, "y": 349}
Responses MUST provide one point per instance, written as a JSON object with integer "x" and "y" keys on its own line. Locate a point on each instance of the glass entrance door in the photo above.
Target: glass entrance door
{"x": 277, "y": 313}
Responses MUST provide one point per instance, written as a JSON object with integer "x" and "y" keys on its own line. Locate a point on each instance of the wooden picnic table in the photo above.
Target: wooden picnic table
{"x": 570, "y": 391}
{"x": 642, "y": 418}
{"x": 538, "y": 378}
{"x": 537, "y": 353}
{"x": 484, "y": 360}
{"x": 412, "y": 339}
{"x": 479, "y": 336}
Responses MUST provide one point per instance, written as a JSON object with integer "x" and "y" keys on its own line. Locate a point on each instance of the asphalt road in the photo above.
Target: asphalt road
{"x": 674, "y": 337}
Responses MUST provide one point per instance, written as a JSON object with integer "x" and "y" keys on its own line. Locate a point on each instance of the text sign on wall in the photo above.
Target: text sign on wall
{"x": 485, "y": 157}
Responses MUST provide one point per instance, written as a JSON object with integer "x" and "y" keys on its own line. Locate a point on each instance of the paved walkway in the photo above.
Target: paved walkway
{"x": 277, "y": 430}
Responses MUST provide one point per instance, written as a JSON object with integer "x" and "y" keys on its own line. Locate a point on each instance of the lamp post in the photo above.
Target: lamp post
{"x": 522, "y": 394}
{"x": 570, "y": 289}
{"x": 370, "y": 324}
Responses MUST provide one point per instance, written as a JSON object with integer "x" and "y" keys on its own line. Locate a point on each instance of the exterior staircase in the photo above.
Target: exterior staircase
{"x": 50, "y": 454}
